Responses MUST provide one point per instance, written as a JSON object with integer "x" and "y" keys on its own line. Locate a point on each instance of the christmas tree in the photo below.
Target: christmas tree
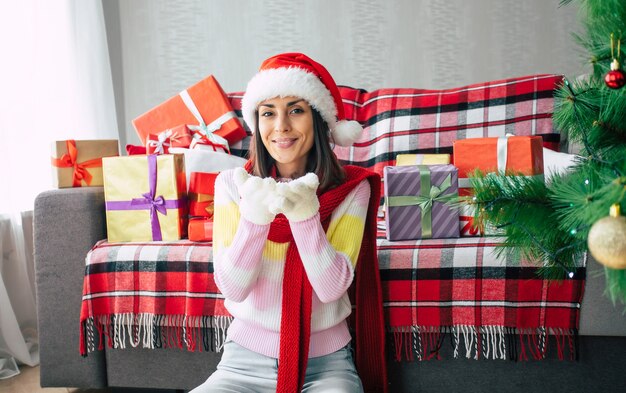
{"x": 556, "y": 222}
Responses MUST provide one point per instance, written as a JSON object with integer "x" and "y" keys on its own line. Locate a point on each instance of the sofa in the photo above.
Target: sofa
{"x": 69, "y": 222}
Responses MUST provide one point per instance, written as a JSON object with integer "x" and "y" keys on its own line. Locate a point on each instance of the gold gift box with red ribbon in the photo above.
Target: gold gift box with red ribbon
{"x": 203, "y": 107}
{"x": 79, "y": 163}
{"x": 201, "y": 192}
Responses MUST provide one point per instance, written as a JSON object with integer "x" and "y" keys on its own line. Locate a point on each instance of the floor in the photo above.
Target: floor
{"x": 28, "y": 382}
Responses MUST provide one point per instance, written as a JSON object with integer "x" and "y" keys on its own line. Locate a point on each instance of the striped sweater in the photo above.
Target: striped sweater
{"x": 249, "y": 270}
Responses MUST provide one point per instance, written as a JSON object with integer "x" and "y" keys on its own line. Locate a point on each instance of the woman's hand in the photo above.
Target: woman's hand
{"x": 297, "y": 199}
{"x": 256, "y": 195}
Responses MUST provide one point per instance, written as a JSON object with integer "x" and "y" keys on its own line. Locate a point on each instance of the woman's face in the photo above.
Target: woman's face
{"x": 286, "y": 128}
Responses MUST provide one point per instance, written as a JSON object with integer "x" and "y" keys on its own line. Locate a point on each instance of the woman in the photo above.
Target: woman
{"x": 289, "y": 231}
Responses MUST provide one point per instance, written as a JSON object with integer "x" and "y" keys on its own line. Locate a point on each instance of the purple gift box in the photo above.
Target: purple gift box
{"x": 416, "y": 201}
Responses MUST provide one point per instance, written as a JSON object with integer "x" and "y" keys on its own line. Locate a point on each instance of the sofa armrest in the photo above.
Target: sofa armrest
{"x": 598, "y": 315}
{"x": 67, "y": 223}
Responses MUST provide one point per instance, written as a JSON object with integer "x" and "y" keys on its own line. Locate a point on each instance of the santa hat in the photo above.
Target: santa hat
{"x": 295, "y": 74}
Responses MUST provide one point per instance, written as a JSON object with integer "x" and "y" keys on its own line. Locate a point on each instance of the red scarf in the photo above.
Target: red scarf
{"x": 295, "y": 324}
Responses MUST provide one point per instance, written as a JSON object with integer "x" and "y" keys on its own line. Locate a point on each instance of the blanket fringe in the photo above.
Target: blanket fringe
{"x": 208, "y": 333}
{"x": 483, "y": 342}
{"x": 195, "y": 333}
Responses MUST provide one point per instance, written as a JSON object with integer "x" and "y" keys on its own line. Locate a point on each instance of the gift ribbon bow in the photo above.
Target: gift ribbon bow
{"x": 149, "y": 201}
{"x": 162, "y": 142}
{"x": 68, "y": 160}
{"x": 429, "y": 195}
{"x": 154, "y": 204}
{"x": 203, "y": 133}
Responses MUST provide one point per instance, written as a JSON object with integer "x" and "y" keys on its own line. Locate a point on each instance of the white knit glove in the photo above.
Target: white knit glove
{"x": 256, "y": 195}
{"x": 297, "y": 199}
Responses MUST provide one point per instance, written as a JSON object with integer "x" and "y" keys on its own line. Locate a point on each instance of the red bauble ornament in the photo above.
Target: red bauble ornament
{"x": 615, "y": 78}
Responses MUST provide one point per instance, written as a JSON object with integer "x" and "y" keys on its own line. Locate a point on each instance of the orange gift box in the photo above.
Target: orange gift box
{"x": 79, "y": 163}
{"x": 201, "y": 192}
{"x": 200, "y": 229}
{"x": 161, "y": 142}
{"x": 520, "y": 155}
{"x": 204, "y": 103}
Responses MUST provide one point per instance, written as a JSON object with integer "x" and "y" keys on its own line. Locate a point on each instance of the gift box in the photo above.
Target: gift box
{"x": 470, "y": 228}
{"x": 133, "y": 150}
{"x": 521, "y": 155}
{"x": 417, "y": 202}
{"x": 422, "y": 159}
{"x": 201, "y": 192}
{"x": 79, "y": 163}
{"x": 145, "y": 197}
{"x": 467, "y": 227}
{"x": 203, "y": 107}
{"x": 160, "y": 143}
{"x": 518, "y": 155}
{"x": 208, "y": 161}
{"x": 200, "y": 229}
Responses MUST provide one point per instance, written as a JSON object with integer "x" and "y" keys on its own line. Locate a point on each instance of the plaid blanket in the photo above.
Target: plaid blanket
{"x": 162, "y": 294}
{"x": 411, "y": 120}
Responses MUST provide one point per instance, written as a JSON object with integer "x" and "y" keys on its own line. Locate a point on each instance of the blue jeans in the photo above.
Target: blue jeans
{"x": 245, "y": 371}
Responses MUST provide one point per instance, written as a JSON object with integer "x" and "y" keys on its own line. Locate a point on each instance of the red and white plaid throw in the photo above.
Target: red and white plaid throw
{"x": 489, "y": 306}
{"x": 414, "y": 121}
{"x": 162, "y": 294}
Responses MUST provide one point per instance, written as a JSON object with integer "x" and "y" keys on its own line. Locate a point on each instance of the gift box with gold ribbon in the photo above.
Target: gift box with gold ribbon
{"x": 201, "y": 192}
{"x": 203, "y": 107}
{"x": 510, "y": 155}
{"x": 79, "y": 163}
{"x": 417, "y": 202}
{"x": 145, "y": 197}
{"x": 200, "y": 229}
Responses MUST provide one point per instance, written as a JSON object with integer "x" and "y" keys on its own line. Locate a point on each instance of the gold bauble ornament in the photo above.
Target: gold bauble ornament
{"x": 607, "y": 240}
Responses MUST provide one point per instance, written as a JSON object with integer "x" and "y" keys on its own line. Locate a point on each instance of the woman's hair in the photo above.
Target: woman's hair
{"x": 321, "y": 159}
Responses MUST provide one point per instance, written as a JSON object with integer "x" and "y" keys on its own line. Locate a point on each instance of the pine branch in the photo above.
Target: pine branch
{"x": 615, "y": 285}
{"x": 549, "y": 223}
{"x": 521, "y": 207}
{"x": 579, "y": 110}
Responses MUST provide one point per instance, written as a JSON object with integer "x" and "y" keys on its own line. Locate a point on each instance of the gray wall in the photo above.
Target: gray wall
{"x": 160, "y": 47}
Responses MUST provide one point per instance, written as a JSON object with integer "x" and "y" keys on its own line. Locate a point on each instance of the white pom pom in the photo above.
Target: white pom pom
{"x": 347, "y": 132}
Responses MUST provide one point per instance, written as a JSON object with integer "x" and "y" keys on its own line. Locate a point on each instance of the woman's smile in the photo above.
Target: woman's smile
{"x": 286, "y": 128}
{"x": 284, "y": 143}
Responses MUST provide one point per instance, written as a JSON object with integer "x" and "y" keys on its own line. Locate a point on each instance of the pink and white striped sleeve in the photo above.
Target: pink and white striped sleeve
{"x": 329, "y": 258}
{"x": 237, "y": 243}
